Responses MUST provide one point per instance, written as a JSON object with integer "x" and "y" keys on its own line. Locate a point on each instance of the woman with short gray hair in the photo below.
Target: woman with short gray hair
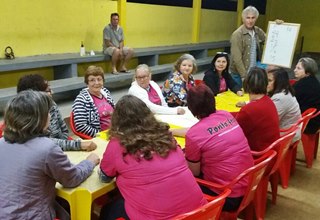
{"x": 150, "y": 93}
{"x": 32, "y": 163}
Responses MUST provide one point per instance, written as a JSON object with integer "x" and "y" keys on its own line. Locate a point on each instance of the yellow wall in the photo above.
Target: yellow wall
{"x": 42, "y": 26}
{"x": 217, "y": 25}
{"x": 154, "y": 25}
{"x": 306, "y": 13}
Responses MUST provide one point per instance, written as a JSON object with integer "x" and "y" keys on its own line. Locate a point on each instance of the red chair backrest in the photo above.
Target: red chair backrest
{"x": 254, "y": 174}
{"x": 73, "y": 128}
{"x": 198, "y": 81}
{"x": 281, "y": 146}
{"x": 1, "y": 128}
{"x": 211, "y": 210}
{"x": 306, "y": 116}
{"x": 292, "y": 81}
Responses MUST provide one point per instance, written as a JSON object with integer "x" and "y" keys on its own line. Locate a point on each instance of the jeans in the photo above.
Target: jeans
{"x": 237, "y": 78}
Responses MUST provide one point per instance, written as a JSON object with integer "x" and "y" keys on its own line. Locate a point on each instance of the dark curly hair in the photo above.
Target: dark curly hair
{"x": 138, "y": 130}
{"x": 34, "y": 82}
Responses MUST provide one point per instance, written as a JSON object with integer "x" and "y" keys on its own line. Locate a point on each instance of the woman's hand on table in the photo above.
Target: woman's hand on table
{"x": 94, "y": 158}
{"x": 180, "y": 111}
{"x": 239, "y": 93}
{"x": 240, "y": 104}
{"x": 88, "y": 145}
{"x": 180, "y": 132}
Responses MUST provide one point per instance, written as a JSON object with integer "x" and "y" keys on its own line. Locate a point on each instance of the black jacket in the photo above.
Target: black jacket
{"x": 211, "y": 79}
{"x": 307, "y": 92}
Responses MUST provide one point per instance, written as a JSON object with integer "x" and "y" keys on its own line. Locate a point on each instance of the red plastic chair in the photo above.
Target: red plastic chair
{"x": 1, "y": 128}
{"x": 281, "y": 146}
{"x": 198, "y": 81}
{"x": 290, "y": 159}
{"x": 289, "y": 164}
{"x": 310, "y": 143}
{"x": 254, "y": 176}
{"x": 211, "y": 210}
{"x": 292, "y": 81}
{"x": 73, "y": 128}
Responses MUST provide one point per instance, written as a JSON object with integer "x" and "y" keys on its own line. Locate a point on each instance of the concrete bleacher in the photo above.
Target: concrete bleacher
{"x": 65, "y": 66}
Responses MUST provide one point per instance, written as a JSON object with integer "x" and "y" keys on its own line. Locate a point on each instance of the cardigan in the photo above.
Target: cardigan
{"x": 212, "y": 80}
{"x": 308, "y": 96}
{"x": 142, "y": 94}
{"x": 86, "y": 115}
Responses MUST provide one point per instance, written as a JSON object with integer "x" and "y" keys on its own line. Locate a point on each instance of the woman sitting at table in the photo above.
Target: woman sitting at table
{"x": 259, "y": 118}
{"x": 31, "y": 163}
{"x": 93, "y": 107}
{"x": 150, "y": 93}
{"x": 177, "y": 85}
{"x": 58, "y": 129}
{"x": 216, "y": 147}
{"x": 282, "y": 95}
{"x": 307, "y": 89}
{"x": 218, "y": 78}
{"x": 150, "y": 169}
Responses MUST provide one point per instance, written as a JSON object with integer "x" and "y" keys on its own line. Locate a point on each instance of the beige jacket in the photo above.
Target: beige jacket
{"x": 240, "y": 49}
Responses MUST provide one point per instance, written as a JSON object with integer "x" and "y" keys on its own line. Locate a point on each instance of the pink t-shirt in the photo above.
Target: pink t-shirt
{"x": 160, "y": 188}
{"x": 219, "y": 144}
{"x": 153, "y": 96}
{"x": 105, "y": 110}
{"x": 223, "y": 85}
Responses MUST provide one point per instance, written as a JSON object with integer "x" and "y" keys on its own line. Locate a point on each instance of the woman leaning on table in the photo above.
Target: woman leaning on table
{"x": 218, "y": 78}
{"x": 216, "y": 147}
{"x": 150, "y": 169}
{"x": 259, "y": 118}
{"x": 150, "y": 93}
{"x": 57, "y": 129}
{"x": 307, "y": 89}
{"x": 31, "y": 163}
{"x": 175, "y": 88}
{"x": 93, "y": 107}
{"x": 282, "y": 95}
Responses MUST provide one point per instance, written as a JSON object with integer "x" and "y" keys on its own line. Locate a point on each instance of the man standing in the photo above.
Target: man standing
{"x": 113, "y": 45}
{"x": 246, "y": 44}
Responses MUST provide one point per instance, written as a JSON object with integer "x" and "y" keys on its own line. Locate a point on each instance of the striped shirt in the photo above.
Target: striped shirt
{"x": 59, "y": 132}
{"x": 86, "y": 115}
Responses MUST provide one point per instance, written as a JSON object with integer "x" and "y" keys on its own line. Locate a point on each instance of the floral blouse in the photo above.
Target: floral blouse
{"x": 175, "y": 89}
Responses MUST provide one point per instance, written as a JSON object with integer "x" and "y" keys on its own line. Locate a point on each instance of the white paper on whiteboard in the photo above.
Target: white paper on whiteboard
{"x": 280, "y": 44}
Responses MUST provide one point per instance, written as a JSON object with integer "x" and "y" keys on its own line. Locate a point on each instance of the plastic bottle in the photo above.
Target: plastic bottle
{"x": 82, "y": 49}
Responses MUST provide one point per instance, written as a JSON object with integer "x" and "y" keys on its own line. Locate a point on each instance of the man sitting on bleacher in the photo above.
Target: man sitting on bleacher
{"x": 113, "y": 45}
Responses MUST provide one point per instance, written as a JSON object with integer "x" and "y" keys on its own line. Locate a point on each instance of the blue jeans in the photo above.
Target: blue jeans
{"x": 237, "y": 78}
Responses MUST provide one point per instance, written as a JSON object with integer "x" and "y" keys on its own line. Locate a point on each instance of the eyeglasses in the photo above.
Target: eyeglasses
{"x": 48, "y": 90}
{"x": 225, "y": 53}
{"x": 98, "y": 80}
{"x": 142, "y": 77}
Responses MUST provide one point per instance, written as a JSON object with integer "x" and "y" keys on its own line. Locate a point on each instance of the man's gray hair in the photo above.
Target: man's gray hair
{"x": 248, "y": 10}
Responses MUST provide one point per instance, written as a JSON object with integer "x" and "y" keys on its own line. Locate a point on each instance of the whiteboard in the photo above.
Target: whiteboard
{"x": 280, "y": 44}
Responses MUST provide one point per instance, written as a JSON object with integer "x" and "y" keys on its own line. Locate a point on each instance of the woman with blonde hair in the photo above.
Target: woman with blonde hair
{"x": 178, "y": 83}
